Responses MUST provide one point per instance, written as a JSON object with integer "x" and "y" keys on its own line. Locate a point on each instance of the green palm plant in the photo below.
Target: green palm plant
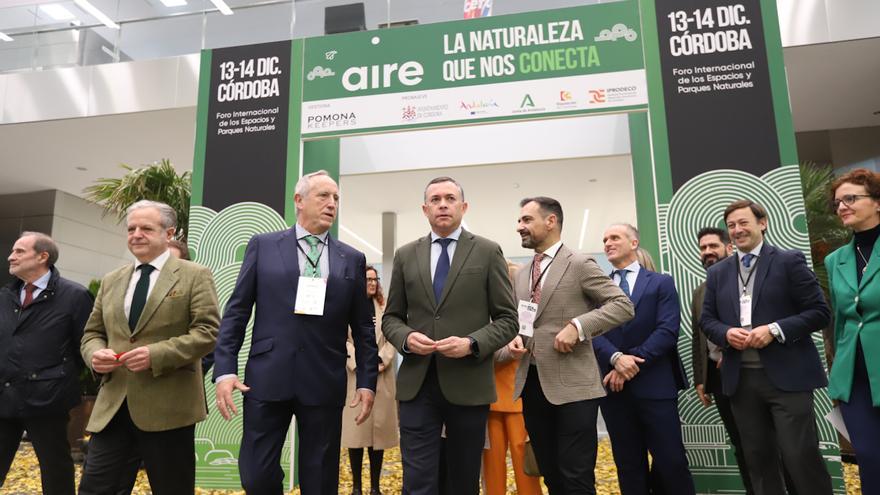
{"x": 826, "y": 231}
{"x": 157, "y": 182}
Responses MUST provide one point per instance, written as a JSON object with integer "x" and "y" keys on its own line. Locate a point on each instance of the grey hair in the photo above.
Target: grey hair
{"x": 43, "y": 244}
{"x": 166, "y": 213}
{"x": 631, "y": 231}
{"x": 440, "y": 180}
{"x": 305, "y": 182}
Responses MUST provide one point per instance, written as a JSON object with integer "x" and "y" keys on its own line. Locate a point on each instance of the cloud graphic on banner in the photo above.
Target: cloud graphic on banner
{"x": 617, "y": 32}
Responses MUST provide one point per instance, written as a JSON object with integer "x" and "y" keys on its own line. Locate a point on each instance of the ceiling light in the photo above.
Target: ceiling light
{"x": 5, "y": 37}
{"x": 173, "y": 3}
{"x": 97, "y": 14}
{"x": 222, "y": 7}
{"x": 57, "y": 12}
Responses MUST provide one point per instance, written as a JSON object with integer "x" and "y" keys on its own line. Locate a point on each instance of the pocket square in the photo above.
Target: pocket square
{"x": 175, "y": 293}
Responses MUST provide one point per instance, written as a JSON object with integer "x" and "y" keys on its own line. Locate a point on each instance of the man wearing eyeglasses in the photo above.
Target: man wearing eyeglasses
{"x": 761, "y": 307}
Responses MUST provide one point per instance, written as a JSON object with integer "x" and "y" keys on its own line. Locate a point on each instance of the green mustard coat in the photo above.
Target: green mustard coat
{"x": 849, "y": 326}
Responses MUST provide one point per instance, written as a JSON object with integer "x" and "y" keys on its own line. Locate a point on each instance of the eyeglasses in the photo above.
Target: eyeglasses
{"x": 847, "y": 199}
{"x": 372, "y": 279}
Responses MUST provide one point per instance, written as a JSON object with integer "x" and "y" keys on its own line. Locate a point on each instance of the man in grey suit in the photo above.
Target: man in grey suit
{"x": 570, "y": 301}
{"x": 450, "y": 307}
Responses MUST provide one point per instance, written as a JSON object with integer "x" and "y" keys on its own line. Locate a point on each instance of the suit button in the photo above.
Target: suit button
{"x": 437, "y": 317}
{"x": 33, "y": 375}
{"x": 857, "y": 299}
{"x": 6, "y": 384}
{"x": 860, "y": 324}
{"x": 131, "y": 340}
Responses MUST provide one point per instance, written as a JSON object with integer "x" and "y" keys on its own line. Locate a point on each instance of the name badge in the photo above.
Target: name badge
{"x": 745, "y": 310}
{"x": 527, "y": 311}
{"x": 310, "y": 293}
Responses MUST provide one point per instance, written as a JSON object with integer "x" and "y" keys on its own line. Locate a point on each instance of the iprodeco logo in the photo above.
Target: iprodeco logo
{"x": 597, "y": 95}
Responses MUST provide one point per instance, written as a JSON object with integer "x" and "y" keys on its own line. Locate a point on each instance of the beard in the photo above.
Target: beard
{"x": 528, "y": 242}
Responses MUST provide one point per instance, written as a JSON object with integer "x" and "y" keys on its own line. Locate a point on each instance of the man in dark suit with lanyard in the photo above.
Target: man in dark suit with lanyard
{"x": 761, "y": 307}
{"x": 308, "y": 289}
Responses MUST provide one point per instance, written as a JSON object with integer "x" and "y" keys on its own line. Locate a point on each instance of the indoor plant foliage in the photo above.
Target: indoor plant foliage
{"x": 158, "y": 182}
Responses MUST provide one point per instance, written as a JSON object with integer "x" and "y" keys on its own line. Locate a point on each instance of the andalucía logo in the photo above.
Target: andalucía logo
{"x": 597, "y": 96}
{"x": 475, "y": 107}
{"x": 527, "y": 102}
{"x": 409, "y": 112}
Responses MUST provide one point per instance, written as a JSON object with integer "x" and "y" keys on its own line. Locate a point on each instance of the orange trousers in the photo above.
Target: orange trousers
{"x": 507, "y": 429}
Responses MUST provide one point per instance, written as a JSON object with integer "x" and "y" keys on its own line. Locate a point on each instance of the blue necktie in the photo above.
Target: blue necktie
{"x": 441, "y": 271}
{"x": 747, "y": 260}
{"x": 624, "y": 285}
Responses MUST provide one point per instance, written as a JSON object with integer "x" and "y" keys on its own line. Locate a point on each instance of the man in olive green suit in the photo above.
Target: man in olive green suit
{"x": 151, "y": 324}
{"x": 450, "y": 307}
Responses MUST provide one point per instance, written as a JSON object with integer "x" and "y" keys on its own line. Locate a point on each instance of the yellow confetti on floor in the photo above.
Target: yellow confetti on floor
{"x": 24, "y": 476}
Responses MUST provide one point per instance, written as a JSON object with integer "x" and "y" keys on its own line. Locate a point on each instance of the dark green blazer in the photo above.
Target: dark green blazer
{"x": 849, "y": 325}
{"x": 477, "y": 301}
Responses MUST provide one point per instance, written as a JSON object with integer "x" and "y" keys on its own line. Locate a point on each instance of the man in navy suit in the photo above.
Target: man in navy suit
{"x": 308, "y": 289}
{"x": 643, "y": 374}
{"x": 761, "y": 307}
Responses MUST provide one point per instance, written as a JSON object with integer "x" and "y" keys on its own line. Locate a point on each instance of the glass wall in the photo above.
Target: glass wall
{"x": 48, "y": 35}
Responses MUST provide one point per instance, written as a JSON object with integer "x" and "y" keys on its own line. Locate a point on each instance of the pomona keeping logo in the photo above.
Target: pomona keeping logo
{"x": 335, "y": 120}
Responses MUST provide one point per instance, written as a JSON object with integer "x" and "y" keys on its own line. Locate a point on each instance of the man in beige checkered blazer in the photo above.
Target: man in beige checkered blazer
{"x": 558, "y": 378}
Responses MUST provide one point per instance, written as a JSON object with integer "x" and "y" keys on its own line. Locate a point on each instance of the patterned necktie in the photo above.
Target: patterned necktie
{"x": 139, "y": 299}
{"x": 747, "y": 260}
{"x": 28, "y": 295}
{"x": 624, "y": 284}
{"x": 536, "y": 278}
{"x": 313, "y": 267}
{"x": 441, "y": 271}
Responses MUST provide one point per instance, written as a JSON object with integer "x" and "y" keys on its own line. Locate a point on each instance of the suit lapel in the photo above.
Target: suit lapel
{"x": 289, "y": 255}
{"x": 730, "y": 285}
{"x": 116, "y": 296}
{"x": 642, "y": 280}
{"x": 336, "y": 261}
{"x": 423, "y": 258}
{"x": 768, "y": 254}
{"x": 167, "y": 279}
{"x": 846, "y": 265}
{"x": 554, "y": 275}
{"x": 463, "y": 248}
{"x": 872, "y": 268}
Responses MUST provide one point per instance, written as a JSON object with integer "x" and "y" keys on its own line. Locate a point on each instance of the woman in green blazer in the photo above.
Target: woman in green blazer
{"x": 854, "y": 280}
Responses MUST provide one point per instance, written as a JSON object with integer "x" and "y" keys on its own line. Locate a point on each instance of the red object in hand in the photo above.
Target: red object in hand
{"x": 118, "y": 355}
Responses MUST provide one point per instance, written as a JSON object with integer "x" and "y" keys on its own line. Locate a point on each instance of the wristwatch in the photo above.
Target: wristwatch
{"x": 475, "y": 349}
{"x": 776, "y": 332}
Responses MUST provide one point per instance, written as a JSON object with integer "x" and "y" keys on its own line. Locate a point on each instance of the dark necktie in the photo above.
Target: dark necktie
{"x": 28, "y": 295}
{"x": 624, "y": 284}
{"x": 139, "y": 299}
{"x": 536, "y": 278}
{"x": 747, "y": 260}
{"x": 313, "y": 267}
{"x": 441, "y": 271}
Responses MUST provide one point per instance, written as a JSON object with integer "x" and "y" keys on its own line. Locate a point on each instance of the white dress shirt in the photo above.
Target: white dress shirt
{"x": 157, "y": 263}
{"x": 40, "y": 284}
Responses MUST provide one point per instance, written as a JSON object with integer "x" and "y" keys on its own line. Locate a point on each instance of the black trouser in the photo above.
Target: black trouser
{"x": 563, "y": 438}
{"x": 48, "y": 435}
{"x": 421, "y": 420}
{"x": 775, "y": 424}
{"x": 169, "y": 457}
